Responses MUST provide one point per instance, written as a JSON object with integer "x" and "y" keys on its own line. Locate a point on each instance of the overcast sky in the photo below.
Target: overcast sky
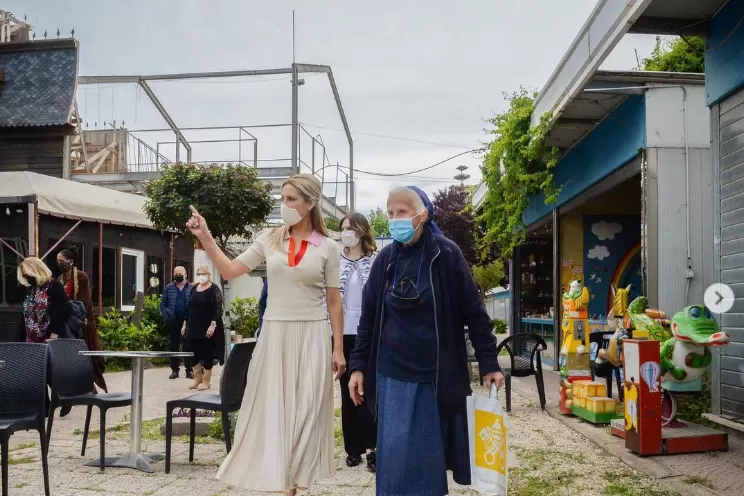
{"x": 418, "y": 70}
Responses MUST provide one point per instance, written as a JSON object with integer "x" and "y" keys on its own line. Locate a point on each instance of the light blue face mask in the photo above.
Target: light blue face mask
{"x": 402, "y": 230}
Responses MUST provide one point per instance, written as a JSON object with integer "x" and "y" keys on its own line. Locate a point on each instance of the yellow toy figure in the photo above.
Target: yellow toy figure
{"x": 574, "y": 355}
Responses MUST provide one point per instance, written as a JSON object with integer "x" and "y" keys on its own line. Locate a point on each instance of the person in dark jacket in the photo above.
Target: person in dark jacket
{"x": 173, "y": 306}
{"x": 203, "y": 328}
{"x": 409, "y": 363}
{"x": 262, "y": 301}
{"x": 46, "y": 308}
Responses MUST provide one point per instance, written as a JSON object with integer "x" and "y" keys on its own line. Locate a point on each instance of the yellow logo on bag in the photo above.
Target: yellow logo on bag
{"x": 490, "y": 441}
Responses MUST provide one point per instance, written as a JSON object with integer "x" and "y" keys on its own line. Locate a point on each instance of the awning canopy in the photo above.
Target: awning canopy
{"x": 73, "y": 200}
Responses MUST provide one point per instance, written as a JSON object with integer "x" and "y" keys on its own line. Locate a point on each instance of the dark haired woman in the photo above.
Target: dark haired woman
{"x": 360, "y": 431}
{"x": 77, "y": 286}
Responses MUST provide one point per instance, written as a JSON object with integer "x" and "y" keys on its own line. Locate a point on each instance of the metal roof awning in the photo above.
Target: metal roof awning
{"x": 599, "y": 97}
{"x": 73, "y": 200}
{"x": 607, "y": 24}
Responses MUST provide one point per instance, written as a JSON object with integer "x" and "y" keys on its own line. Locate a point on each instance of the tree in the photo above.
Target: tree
{"x": 489, "y": 276}
{"x": 232, "y": 198}
{"x": 378, "y": 221}
{"x": 677, "y": 55}
{"x": 332, "y": 224}
{"x": 455, "y": 219}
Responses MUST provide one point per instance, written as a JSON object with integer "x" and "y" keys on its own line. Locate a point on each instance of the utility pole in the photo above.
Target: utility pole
{"x": 295, "y": 112}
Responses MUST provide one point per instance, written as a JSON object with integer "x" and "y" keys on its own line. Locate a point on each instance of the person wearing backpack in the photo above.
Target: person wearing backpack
{"x": 77, "y": 287}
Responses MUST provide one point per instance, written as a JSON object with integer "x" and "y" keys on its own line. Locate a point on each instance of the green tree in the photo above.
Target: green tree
{"x": 332, "y": 224}
{"x": 378, "y": 221}
{"x": 677, "y": 54}
{"x": 489, "y": 276}
{"x": 232, "y": 198}
{"x": 516, "y": 166}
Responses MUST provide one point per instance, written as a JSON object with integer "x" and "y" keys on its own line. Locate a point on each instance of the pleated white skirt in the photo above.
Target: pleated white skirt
{"x": 284, "y": 432}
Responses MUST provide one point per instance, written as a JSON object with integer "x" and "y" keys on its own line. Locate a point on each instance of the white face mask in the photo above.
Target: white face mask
{"x": 290, "y": 216}
{"x": 349, "y": 239}
{"x": 202, "y": 279}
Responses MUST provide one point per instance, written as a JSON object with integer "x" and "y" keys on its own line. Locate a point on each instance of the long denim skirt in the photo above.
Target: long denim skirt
{"x": 415, "y": 445}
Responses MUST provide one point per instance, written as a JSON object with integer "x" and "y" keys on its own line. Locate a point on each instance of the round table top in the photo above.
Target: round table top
{"x": 139, "y": 354}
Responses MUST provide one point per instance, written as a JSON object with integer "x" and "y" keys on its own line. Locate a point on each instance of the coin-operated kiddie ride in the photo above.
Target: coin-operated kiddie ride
{"x": 654, "y": 372}
{"x": 574, "y": 355}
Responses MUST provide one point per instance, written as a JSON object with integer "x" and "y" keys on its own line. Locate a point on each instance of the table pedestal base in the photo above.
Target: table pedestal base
{"x": 138, "y": 461}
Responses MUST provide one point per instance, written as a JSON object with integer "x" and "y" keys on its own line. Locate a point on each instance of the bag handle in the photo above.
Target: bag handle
{"x": 494, "y": 391}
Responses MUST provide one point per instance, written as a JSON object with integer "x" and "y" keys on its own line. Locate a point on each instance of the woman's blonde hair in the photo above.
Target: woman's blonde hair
{"x": 311, "y": 190}
{"x": 34, "y": 267}
{"x": 202, "y": 268}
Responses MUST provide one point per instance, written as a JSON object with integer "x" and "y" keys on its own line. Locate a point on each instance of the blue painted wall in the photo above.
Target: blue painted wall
{"x": 605, "y": 245}
{"x": 611, "y": 145}
{"x": 724, "y": 55}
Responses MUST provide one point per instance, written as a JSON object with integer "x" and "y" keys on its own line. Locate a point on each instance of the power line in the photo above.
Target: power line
{"x": 386, "y": 174}
{"x": 412, "y": 140}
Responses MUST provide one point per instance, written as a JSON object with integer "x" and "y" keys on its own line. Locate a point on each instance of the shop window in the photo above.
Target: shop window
{"x": 155, "y": 274}
{"x": 109, "y": 277}
{"x": 132, "y": 277}
{"x": 11, "y": 292}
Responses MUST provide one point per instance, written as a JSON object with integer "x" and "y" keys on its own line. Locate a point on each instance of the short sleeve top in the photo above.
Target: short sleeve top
{"x": 297, "y": 279}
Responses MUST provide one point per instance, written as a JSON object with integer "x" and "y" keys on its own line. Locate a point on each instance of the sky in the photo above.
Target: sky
{"x": 417, "y": 79}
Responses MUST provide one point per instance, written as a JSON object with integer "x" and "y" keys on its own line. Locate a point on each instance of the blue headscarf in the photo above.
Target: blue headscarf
{"x": 430, "y": 224}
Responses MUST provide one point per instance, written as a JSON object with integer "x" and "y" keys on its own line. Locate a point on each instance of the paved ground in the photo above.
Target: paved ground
{"x": 548, "y": 457}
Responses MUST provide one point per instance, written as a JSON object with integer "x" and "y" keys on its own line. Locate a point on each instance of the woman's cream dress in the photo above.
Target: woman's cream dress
{"x": 284, "y": 432}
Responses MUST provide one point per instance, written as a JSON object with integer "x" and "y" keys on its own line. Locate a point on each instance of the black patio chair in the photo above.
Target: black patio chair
{"x": 606, "y": 369}
{"x": 232, "y": 387}
{"x": 72, "y": 385}
{"x": 23, "y": 372}
{"x": 524, "y": 352}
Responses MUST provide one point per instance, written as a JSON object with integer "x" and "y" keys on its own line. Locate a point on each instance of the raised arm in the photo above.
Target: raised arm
{"x": 228, "y": 269}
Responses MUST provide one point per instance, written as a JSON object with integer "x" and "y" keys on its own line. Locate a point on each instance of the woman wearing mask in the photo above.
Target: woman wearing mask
{"x": 77, "y": 287}
{"x": 410, "y": 364}
{"x": 360, "y": 431}
{"x": 284, "y": 432}
{"x": 202, "y": 327}
{"x": 46, "y": 309}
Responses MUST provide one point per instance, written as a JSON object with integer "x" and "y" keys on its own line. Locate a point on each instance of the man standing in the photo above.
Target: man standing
{"x": 173, "y": 307}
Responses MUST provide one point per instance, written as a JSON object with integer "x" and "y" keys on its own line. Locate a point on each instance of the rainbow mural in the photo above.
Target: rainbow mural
{"x": 623, "y": 270}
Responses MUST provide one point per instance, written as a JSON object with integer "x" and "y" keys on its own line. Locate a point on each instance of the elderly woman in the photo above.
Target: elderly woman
{"x": 409, "y": 363}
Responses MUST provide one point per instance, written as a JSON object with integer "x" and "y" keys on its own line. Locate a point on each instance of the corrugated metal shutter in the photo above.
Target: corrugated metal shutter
{"x": 731, "y": 160}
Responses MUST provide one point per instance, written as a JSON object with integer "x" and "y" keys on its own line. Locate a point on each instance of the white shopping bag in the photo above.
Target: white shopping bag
{"x": 487, "y": 428}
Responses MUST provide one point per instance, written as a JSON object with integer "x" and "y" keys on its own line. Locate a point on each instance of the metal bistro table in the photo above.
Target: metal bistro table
{"x": 135, "y": 458}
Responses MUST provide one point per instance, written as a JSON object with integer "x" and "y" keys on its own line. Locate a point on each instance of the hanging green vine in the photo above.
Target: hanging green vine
{"x": 517, "y": 164}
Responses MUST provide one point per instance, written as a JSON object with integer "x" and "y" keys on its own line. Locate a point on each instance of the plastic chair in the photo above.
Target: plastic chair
{"x": 524, "y": 352}
{"x": 72, "y": 385}
{"x": 232, "y": 387}
{"x": 23, "y": 373}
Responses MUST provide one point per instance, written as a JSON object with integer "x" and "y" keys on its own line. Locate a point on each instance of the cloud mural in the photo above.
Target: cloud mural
{"x": 604, "y": 230}
{"x": 598, "y": 253}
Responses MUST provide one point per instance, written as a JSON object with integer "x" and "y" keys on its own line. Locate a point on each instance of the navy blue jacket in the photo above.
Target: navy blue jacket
{"x": 262, "y": 301}
{"x": 168, "y": 301}
{"x": 457, "y": 304}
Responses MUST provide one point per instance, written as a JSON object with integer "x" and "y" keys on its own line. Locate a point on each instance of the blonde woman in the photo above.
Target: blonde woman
{"x": 46, "y": 308}
{"x": 284, "y": 433}
{"x": 203, "y": 321}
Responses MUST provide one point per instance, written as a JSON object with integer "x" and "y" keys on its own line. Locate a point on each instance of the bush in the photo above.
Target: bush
{"x": 499, "y": 326}
{"x": 244, "y": 316}
{"x": 691, "y": 407}
{"x": 151, "y": 316}
{"x": 118, "y": 334}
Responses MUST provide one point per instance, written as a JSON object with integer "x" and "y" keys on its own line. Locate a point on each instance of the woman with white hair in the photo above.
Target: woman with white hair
{"x": 284, "y": 433}
{"x": 46, "y": 308}
{"x": 410, "y": 363}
